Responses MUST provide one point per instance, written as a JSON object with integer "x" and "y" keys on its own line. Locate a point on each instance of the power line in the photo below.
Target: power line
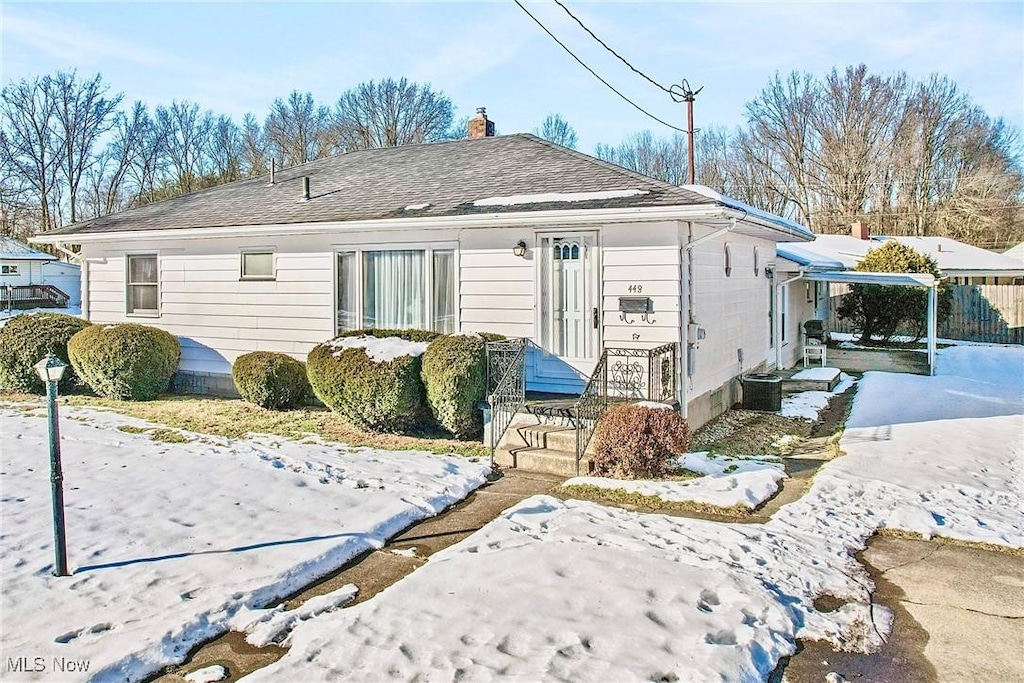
{"x": 605, "y": 46}
{"x": 595, "y": 74}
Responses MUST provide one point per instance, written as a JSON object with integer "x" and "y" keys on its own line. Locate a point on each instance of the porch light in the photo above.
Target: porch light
{"x": 50, "y": 368}
{"x": 520, "y": 249}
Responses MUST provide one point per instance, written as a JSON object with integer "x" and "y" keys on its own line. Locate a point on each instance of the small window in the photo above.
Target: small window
{"x": 257, "y": 265}
{"x": 809, "y": 292}
{"x": 757, "y": 262}
{"x": 9, "y": 269}
{"x": 728, "y": 261}
{"x": 143, "y": 295}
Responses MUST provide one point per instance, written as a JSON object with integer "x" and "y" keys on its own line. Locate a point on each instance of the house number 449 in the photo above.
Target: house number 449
{"x": 635, "y": 289}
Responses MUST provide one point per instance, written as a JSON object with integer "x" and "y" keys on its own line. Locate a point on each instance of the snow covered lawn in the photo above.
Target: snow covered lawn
{"x": 169, "y": 543}
{"x": 570, "y": 590}
{"x": 727, "y": 481}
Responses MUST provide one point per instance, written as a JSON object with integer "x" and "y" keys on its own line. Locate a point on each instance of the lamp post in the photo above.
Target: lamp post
{"x": 50, "y": 370}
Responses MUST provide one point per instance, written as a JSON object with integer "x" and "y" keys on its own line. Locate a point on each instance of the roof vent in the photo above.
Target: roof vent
{"x": 273, "y": 170}
{"x": 305, "y": 187}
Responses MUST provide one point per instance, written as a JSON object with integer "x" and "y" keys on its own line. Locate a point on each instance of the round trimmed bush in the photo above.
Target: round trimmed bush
{"x": 26, "y": 339}
{"x": 384, "y": 396}
{"x": 638, "y": 442}
{"x": 126, "y": 361}
{"x": 454, "y": 376}
{"x": 270, "y": 380}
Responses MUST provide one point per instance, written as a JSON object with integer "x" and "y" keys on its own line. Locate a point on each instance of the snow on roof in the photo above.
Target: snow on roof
{"x": 953, "y": 256}
{"x": 1016, "y": 253}
{"x": 750, "y": 210}
{"x": 546, "y": 197}
{"x": 866, "y": 278}
{"x": 799, "y": 253}
{"x": 13, "y": 250}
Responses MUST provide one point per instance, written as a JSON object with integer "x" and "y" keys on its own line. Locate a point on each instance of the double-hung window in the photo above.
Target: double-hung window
{"x": 143, "y": 288}
{"x": 396, "y": 289}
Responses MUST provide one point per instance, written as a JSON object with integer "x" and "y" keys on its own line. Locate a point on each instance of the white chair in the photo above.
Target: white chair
{"x": 814, "y": 350}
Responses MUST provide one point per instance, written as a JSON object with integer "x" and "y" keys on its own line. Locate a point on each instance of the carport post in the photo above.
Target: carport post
{"x": 933, "y": 299}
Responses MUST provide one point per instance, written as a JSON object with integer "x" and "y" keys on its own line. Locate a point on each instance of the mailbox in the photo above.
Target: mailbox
{"x": 636, "y": 304}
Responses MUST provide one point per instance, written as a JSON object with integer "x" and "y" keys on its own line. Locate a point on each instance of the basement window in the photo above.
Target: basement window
{"x": 257, "y": 265}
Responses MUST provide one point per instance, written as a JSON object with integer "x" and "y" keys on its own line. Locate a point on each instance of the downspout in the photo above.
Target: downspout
{"x": 689, "y": 346}
{"x": 83, "y": 264}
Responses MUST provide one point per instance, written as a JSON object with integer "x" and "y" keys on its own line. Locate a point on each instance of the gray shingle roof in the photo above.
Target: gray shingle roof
{"x": 381, "y": 183}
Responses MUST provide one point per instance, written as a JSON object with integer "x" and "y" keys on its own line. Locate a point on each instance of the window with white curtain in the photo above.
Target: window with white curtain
{"x": 143, "y": 295}
{"x": 396, "y": 289}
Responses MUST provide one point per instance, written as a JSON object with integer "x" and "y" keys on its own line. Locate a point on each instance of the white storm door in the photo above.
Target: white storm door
{"x": 570, "y": 318}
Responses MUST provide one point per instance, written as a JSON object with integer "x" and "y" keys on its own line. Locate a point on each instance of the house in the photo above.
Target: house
{"x": 509, "y": 234}
{"x": 1016, "y": 253}
{"x": 961, "y": 263}
{"x": 28, "y": 277}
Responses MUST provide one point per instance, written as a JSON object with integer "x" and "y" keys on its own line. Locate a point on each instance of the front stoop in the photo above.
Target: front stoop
{"x": 548, "y": 448}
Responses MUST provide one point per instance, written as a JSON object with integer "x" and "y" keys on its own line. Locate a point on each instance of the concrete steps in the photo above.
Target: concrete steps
{"x": 549, "y": 448}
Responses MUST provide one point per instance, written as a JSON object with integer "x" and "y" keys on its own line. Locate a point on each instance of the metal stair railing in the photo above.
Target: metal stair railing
{"x": 590, "y": 406}
{"x": 506, "y": 385}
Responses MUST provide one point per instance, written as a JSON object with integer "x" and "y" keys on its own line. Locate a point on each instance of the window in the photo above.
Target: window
{"x": 728, "y": 260}
{"x": 809, "y": 292}
{"x": 396, "y": 289}
{"x": 11, "y": 269}
{"x": 757, "y": 262}
{"x": 143, "y": 295}
{"x": 783, "y": 311}
{"x": 257, "y": 265}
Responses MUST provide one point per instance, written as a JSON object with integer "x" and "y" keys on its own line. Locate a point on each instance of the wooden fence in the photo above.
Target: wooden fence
{"x": 983, "y": 313}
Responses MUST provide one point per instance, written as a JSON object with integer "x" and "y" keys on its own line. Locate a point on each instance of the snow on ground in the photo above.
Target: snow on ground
{"x": 570, "y": 590}
{"x": 380, "y": 349}
{"x": 726, "y": 481}
{"x": 169, "y": 543}
{"x": 807, "y": 404}
{"x": 209, "y": 674}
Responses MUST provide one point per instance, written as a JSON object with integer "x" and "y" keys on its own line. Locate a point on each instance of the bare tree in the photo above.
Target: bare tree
{"x": 298, "y": 129}
{"x": 226, "y": 149}
{"x": 28, "y": 141}
{"x": 661, "y": 158}
{"x": 185, "y": 132}
{"x": 557, "y": 130}
{"x": 390, "y": 113}
{"x": 82, "y": 115}
{"x": 254, "y": 151}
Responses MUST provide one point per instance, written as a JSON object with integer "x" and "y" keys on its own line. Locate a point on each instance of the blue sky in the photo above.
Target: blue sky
{"x": 234, "y": 57}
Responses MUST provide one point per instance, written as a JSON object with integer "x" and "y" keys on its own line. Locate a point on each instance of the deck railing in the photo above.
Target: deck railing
{"x": 623, "y": 375}
{"x": 506, "y": 385}
{"x": 12, "y": 296}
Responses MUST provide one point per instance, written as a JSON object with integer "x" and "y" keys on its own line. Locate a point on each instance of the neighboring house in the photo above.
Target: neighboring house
{"x": 962, "y": 263}
{"x": 1016, "y": 253}
{"x": 22, "y": 267}
{"x": 507, "y": 234}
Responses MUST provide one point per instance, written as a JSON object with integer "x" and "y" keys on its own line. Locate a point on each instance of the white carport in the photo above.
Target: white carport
{"x": 924, "y": 280}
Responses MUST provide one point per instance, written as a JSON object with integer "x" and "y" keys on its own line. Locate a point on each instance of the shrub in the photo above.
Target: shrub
{"x": 126, "y": 361}
{"x": 26, "y": 339}
{"x": 270, "y": 380}
{"x": 880, "y": 310}
{"x": 386, "y": 396}
{"x": 454, "y": 376}
{"x": 637, "y": 442}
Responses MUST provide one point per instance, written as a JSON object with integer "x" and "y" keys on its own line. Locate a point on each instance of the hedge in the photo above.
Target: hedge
{"x": 638, "y": 442}
{"x": 454, "y": 376}
{"x": 126, "y": 361}
{"x": 385, "y": 396}
{"x": 270, "y": 380}
{"x": 380, "y": 333}
{"x": 26, "y": 339}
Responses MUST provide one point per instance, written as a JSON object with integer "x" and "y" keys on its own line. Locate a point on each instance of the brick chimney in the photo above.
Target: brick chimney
{"x": 480, "y": 126}
{"x": 859, "y": 229}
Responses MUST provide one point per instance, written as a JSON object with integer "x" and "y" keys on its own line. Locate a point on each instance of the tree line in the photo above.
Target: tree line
{"x": 71, "y": 150}
{"x": 910, "y": 157}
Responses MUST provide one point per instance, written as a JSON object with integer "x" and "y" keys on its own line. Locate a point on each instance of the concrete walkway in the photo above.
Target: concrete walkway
{"x": 959, "y": 618}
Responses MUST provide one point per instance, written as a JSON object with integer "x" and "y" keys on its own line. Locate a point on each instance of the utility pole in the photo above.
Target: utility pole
{"x": 682, "y": 93}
